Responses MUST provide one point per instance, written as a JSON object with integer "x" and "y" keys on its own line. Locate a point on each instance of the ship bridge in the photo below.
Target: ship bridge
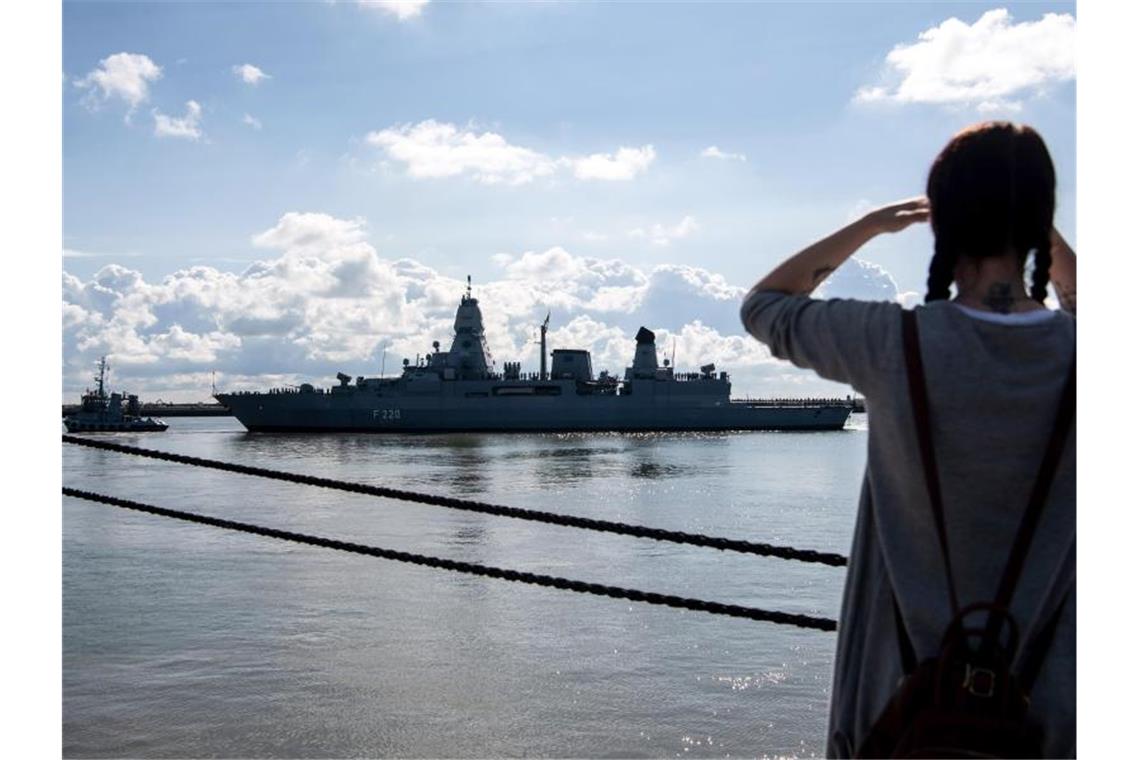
{"x": 469, "y": 355}
{"x": 469, "y": 358}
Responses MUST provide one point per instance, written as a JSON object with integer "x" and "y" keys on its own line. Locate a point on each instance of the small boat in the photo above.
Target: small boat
{"x": 99, "y": 412}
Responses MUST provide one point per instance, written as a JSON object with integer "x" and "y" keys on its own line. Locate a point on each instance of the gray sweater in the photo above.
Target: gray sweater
{"x": 994, "y": 391}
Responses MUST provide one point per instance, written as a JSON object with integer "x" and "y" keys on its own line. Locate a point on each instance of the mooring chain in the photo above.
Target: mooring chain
{"x": 551, "y": 518}
{"x": 549, "y": 581}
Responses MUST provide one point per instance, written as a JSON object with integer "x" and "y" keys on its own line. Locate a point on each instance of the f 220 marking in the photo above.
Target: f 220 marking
{"x": 386, "y": 415}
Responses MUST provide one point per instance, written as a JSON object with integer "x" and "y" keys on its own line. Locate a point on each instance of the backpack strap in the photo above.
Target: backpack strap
{"x": 916, "y": 380}
{"x": 1035, "y": 648}
{"x": 1041, "y": 485}
{"x": 1018, "y": 554}
{"x": 906, "y": 647}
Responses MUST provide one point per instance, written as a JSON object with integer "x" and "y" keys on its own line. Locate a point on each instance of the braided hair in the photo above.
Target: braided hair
{"x": 991, "y": 190}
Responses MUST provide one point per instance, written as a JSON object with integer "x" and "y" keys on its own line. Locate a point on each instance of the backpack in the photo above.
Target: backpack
{"x": 966, "y": 701}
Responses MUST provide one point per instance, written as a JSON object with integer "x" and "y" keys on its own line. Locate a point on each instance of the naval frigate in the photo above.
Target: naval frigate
{"x": 461, "y": 390}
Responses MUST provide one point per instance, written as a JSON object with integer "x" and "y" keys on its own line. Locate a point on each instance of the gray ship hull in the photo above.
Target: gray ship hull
{"x": 460, "y": 390}
{"x": 98, "y": 425}
{"x": 446, "y": 412}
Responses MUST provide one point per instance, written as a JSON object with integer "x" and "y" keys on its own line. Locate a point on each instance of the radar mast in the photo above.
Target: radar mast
{"x": 542, "y": 347}
{"x": 102, "y": 373}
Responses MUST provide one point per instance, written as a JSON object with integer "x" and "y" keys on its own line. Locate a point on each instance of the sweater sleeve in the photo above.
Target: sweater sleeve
{"x": 841, "y": 339}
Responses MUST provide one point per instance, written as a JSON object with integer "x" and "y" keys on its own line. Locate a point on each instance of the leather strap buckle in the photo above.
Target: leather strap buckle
{"x": 979, "y": 681}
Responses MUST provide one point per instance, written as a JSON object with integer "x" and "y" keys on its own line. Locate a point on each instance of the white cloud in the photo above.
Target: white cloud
{"x": 432, "y": 149}
{"x": 862, "y": 279}
{"x": 179, "y": 345}
{"x": 325, "y": 301}
{"x": 627, "y": 163}
{"x": 673, "y": 290}
{"x": 186, "y": 127}
{"x": 578, "y": 274}
{"x": 303, "y": 231}
{"x": 250, "y": 74}
{"x": 910, "y": 298}
{"x": 714, "y": 152}
{"x": 126, "y": 76}
{"x": 401, "y": 9}
{"x": 251, "y": 121}
{"x": 659, "y": 234}
{"x": 986, "y": 64}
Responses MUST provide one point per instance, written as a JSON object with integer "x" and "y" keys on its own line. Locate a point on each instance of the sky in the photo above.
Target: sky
{"x": 266, "y": 194}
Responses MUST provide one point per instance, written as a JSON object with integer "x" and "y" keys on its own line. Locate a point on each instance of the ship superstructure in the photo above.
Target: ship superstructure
{"x": 460, "y": 389}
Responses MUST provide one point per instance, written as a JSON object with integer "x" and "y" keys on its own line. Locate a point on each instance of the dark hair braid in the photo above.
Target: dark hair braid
{"x": 941, "y": 272}
{"x": 991, "y": 192}
{"x": 1042, "y": 261}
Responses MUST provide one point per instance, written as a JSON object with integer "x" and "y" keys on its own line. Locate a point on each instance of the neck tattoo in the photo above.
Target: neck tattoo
{"x": 1000, "y": 297}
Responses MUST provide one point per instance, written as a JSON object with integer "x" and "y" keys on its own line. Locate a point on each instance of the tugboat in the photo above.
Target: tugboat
{"x": 461, "y": 390}
{"x": 99, "y": 412}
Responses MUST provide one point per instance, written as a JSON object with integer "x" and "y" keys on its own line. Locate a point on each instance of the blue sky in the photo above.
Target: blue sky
{"x": 466, "y": 137}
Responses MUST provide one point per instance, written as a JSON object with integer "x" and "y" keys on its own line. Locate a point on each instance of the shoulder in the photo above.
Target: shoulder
{"x": 952, "y": 316}
{"x": 840, "y": 338}
{"x": 759, "y": 301}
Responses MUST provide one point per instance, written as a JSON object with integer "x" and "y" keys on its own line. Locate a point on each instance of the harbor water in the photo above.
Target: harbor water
{"x": 182, "y": 640}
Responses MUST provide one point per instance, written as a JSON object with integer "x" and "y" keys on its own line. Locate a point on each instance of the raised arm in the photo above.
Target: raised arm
{"x": 804, "y": 271}
{"x": 1063, "y": 273}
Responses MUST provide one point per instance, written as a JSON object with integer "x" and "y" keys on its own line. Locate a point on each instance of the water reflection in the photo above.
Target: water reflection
{"x": 655, "y": 470}
{"x": 466, "y": 462}
{"x": 473, "y": 535}
{"x": 463, "y": 462}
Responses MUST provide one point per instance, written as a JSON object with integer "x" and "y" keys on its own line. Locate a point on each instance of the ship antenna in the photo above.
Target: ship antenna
{"x": 383, "y": 356}
{"x": 542, "y": 349}
{"x": 468, "y": 286}
{"x": 213, "y": 382}
{"x": 102, "y": 371}
{"x": 673, "y": 361}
